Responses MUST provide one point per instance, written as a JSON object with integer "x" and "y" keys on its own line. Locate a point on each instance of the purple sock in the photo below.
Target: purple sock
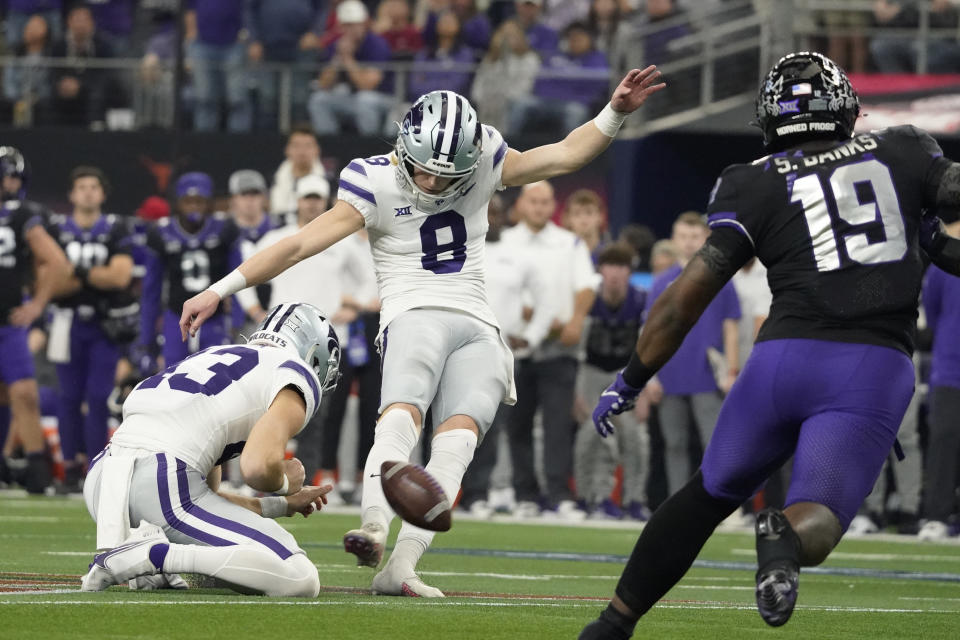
{"x": 158, "y": 553}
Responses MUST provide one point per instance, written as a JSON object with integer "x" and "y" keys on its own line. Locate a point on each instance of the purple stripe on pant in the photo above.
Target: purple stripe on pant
{"x": 86, "y": 378}
{"x": 187, "y": 504}
{"x": 172, "y": 519}
{"x": 836, "y": 407}
{"x": 16, "y": 362}
{"x": 213, "y": 333}
{"x": 223, "y": 523}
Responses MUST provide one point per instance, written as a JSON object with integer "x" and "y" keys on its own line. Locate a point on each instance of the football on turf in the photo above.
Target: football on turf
{"x": 415, "y": 495}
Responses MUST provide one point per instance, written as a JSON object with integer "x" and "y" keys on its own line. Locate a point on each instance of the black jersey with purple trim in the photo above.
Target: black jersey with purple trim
{"x": 93, "y": 247}
{"x": 837, "y": 231}
{"x": 191, "y": 262}
{"x": 16, "y": 263}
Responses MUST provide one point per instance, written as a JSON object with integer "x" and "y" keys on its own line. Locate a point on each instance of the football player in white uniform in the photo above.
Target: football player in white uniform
{"x": 425, "y": 208}
{"x": 162, "y": 467}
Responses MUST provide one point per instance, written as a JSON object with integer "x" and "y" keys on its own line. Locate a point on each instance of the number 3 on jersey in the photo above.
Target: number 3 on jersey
{"x": 844, "y": 181}
{"x": 444, "y": 225}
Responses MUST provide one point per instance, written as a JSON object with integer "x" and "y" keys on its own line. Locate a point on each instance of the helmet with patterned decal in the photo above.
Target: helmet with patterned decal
{"x": 440, "y": 135}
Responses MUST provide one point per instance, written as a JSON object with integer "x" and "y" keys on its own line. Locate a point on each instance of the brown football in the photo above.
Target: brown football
{"x": 415, "y": 495}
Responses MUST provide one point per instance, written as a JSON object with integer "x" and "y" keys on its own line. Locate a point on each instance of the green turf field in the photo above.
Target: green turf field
{"x": 505, "y": 580}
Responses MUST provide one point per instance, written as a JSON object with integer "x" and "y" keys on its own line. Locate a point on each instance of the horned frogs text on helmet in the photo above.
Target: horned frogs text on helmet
{"x": 805, "y": 95}
{"x": 303, "y": 328}
{"x": 440, "y": 134}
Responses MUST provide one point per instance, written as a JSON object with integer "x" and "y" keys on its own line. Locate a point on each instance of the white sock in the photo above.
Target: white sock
{"x": 395, "y": 437}
{"x": 450, "y": 454}
{"x": 248, "y": 567}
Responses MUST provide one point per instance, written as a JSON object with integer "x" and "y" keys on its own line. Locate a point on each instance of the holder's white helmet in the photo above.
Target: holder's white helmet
{"x": 303, "y": 329}
{"x": 440, "y": 134}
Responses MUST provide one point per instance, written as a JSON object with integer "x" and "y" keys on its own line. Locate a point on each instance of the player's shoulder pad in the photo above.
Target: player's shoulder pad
{"x": 493, "y": 145}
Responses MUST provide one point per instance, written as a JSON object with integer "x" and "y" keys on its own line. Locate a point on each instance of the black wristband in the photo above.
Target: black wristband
{"x": 636, "y": 374}
{"x": 81, "y": 274}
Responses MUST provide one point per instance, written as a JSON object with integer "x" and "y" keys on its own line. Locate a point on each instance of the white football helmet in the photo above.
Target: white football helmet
{"x": 303, "y": 329}
{"x": 440, "y": 134}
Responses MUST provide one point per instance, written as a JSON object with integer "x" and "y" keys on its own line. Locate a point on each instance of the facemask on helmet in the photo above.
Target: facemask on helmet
{"x": 441, "y": 135}
{"x": 303, "y": 329}
{"x": 12, "y": 163}
{"x": 805, "y": 96}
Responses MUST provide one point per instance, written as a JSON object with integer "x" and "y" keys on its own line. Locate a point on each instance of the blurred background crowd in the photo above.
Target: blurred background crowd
{"x": 569, "y": 285}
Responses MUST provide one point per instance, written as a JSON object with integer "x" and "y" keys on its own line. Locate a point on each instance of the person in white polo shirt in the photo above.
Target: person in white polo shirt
{"x": 546, "y": 380}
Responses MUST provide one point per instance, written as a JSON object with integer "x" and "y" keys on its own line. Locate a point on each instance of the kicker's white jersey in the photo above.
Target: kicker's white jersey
{"x": 202, "y": 409}
{"x": 426, "y": 260}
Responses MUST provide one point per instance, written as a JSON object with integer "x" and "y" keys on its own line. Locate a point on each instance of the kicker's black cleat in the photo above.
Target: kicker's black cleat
{"x": 778, "y": 550}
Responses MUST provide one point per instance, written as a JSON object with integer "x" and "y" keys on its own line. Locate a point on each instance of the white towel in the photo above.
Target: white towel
{"x": 58, "y": 344}
{"x": 113, "y": 512}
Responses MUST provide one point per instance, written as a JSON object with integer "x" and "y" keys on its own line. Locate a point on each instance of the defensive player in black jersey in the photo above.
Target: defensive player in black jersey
{"x": 838, "y": 221}
{"x": 81, "y": 344}
{"x": 24, "y": 244}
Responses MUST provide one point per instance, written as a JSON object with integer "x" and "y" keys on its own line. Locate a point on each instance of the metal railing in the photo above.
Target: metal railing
{"x": 714, "y": 57}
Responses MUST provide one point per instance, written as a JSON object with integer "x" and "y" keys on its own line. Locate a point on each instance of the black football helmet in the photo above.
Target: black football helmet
{"x": 12, "y": 163}
{"x": 805, "y": 96}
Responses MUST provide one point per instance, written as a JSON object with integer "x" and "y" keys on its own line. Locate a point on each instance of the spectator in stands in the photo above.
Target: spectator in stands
{"x": 894, "y": 54}
{"x": 431, "y": 65}
{"x": 690, "y": 383}
{"x": 475, "y": 26}
{"x": 849, "y": 50}
{"x": 585, "y": 214}
{"x": 510, "y": 57}
{"x": 606, "y": 23}
{"x": 941, "y": 301}
{"x": 394, "y": 25}
{"x": 114, "y": 20}
{"x": 20, "y": 11}
{"x": 302, "y": 159}
{"x": 615, "y": 320}
{"x": 156, "y": 69}
{"x": 660, "y": 24}
{"x": 512, "y": 277}
{"x": 80, "y": 94}
{"x": 542, "y": 38}
{"x": 276, "y": 30}
{"x": 218, "y": 59}
{"x": 351, "y": 92}
{"x": 571, "y": 83}
{"x": 559, "y": 14}
{"x": 546, "y": 380}
{"x": 25, "y": 84}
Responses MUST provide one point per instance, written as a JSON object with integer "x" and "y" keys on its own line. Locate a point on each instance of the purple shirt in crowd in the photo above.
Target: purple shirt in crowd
{"x": 612, "y": 335}
{"x": 575, "y": 89}
{"x": 542, "y": 38}
{"x": 941, "y": 302}
{"x": 218, "y": 21}
{"x": 372, "y": 49}
{"x": 432, "y": 72}
{"x": 33, "y": 6}
{"x": 112, "y": 16}
{"x": 475, "y": 32}
{"x": 688, "y": 371}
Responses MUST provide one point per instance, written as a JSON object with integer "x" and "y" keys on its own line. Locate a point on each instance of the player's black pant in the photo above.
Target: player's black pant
{"x": 943, "y": 447}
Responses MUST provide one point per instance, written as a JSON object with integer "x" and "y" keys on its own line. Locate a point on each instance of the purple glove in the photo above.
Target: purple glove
{"x": 616, "y": 399}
